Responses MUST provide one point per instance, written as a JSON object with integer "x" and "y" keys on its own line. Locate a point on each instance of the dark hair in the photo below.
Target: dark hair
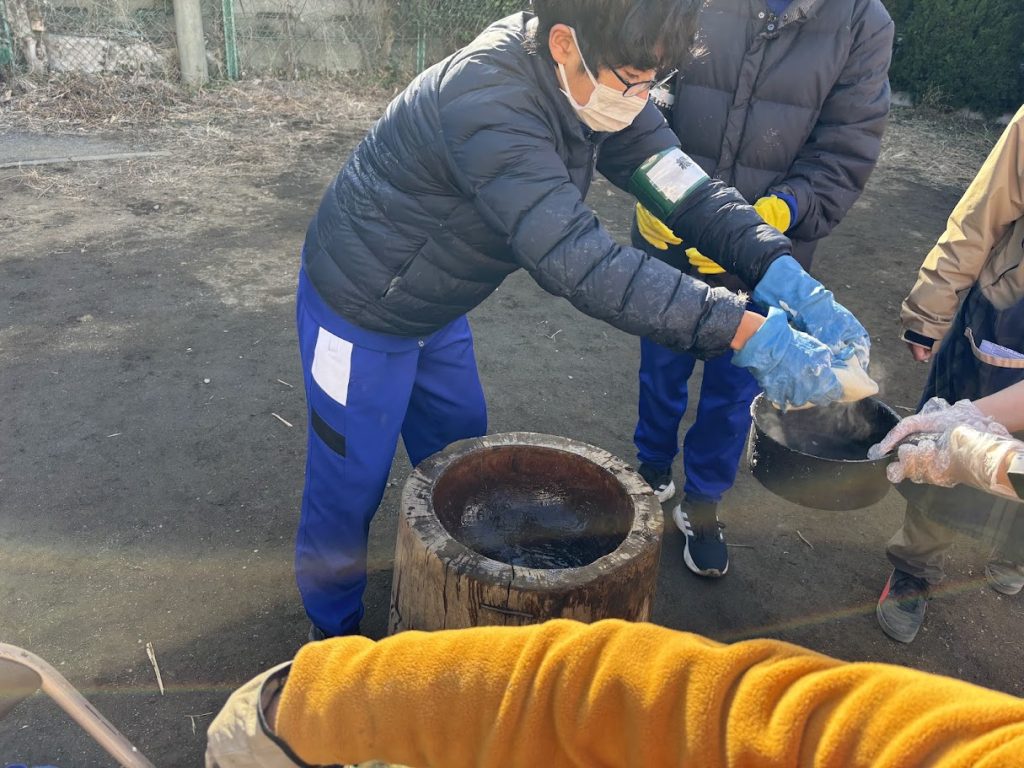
{"x": 646, "y": 34}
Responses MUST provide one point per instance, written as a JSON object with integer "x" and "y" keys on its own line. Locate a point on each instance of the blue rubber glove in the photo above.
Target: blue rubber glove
{"x": 814, "y": 309}
{"x": 792, "y": 367}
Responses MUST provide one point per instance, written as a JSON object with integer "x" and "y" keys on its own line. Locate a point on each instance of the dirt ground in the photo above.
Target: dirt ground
{"x": 153, "y": 430}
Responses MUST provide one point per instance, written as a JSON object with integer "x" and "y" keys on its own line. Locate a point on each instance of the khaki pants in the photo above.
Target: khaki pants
{"x": 935, "y": 516}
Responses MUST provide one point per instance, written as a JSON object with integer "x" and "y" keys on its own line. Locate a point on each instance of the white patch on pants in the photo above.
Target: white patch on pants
{"x": 332, "y": 365}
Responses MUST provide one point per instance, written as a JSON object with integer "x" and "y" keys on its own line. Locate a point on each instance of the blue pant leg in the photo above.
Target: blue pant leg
{"x": 713, "y": 445}
{"x": 447, "y": 402}
{"x": 350, "y": 449}
{"x": 663, "y": 398}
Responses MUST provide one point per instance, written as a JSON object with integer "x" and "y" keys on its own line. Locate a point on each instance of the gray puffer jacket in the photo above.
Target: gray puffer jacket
{"x": 795, "y": 103}
{"x": 480, "y": 167}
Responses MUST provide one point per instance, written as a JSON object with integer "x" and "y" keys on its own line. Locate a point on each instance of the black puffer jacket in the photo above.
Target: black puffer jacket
{"x": 480, "y": 167}
{"x": 794, "y": 103}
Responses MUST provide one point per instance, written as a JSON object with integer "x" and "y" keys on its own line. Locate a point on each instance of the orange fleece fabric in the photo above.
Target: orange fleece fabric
{"x": 620, "y": 694}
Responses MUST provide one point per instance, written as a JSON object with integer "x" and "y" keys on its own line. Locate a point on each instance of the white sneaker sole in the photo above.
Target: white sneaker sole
{"x": 678, "y": 519}
{"x": 666, "y": 493}
{"x": 712, "y": 573}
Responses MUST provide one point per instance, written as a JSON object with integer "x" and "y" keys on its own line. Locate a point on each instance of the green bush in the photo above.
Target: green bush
{"x": 960, "y": 53}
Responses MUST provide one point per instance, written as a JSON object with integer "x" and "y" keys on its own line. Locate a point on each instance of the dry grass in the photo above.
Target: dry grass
{"x": 231, "y": 128}
{"x": 80, "y": 103}
{"x": 943, "y": 149}
{"x": 239, "y": 127}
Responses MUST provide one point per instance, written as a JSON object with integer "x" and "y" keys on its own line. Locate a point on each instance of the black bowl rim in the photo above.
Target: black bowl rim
{"x": 761, "y": 434}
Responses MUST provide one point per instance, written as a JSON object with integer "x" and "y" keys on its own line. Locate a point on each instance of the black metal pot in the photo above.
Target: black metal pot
{"x": 817, "y": 457}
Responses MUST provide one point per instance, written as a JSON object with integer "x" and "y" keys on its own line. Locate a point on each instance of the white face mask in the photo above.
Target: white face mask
{"x": 606, "y": 109}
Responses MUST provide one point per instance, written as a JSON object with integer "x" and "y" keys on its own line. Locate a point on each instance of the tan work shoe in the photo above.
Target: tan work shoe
{"x": 1005, "y": 577}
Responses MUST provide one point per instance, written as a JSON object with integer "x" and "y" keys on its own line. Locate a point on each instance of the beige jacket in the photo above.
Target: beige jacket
{"x": 983, "y": 243}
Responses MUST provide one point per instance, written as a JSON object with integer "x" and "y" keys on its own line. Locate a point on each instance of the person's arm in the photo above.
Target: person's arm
{"x": 1005, "y": 406}
{"x": 714, "y": 218}
{"x": 990, "y": 206}
{"x": 620, "y": 154}
{"x": 749, "y": 325}
{"x": 963, "y": 455}
{"x": 510, "y": 169}
{"x": 831, "y": 169}
{"x": 570, "y": 694}
{"x": 967, "y": 442}
{"x": 521, "y": 188}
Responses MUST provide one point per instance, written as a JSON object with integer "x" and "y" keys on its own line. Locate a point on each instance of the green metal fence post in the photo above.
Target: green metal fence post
{"x": 421, "y": 47}
{"x": 230, "y": 41}
{"x": 6, "y": 42}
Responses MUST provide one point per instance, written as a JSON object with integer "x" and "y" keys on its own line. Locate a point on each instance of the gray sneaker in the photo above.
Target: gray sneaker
{"x": 901, "y": 607}
{"x": 1005, "y": 577}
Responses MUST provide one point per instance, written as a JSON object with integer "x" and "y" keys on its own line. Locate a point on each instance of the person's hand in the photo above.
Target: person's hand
{"x": 702, "y": 263}
{"x": 961, "y": 454}
{"x": 772, "y": 209}
{"x": 919, "y": 353}
{"x": 654, "y": 230}
{"x": 937, "y": 416}
{"x": 775, "y": 212}
{"x": 239, "y": 737}
{"x": 793, "y": 368}
{"x": 814, "y": 309}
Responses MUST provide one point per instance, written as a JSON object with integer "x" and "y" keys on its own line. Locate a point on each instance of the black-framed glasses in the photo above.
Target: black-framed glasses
{"x": 643, "y": 86}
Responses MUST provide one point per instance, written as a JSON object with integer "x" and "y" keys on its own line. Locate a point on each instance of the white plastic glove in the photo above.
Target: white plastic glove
{"x": 239, "y": 736}
{"x": 961, "y": 454}
{"x": 937, "y": 416}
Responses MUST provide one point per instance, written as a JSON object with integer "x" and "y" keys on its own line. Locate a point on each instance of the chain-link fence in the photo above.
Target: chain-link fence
{"x": 296, "y": 37}
{"x": 90, "y": 36}
{"x": 244, "y": 38}
{"x": 6, "y": 42}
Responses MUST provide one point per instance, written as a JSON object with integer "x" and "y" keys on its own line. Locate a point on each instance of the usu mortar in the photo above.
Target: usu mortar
{"x": 519, "y": 528}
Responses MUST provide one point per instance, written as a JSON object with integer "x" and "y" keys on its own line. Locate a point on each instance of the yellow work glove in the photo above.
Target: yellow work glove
{"x": 772, "y": 209}
{"x": 654, "y": 230}
{"x": 661, "y": 237}
{"x": 704, "y": 265}
{"x": 775, "y": 212}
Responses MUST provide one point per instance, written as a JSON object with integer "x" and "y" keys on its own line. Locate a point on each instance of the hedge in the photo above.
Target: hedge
{"x": 960, "y": 53}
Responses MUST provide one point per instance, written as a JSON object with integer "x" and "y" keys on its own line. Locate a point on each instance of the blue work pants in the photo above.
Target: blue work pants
{"x": 713, "y": 445}
{"x": 363, "y": 390}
